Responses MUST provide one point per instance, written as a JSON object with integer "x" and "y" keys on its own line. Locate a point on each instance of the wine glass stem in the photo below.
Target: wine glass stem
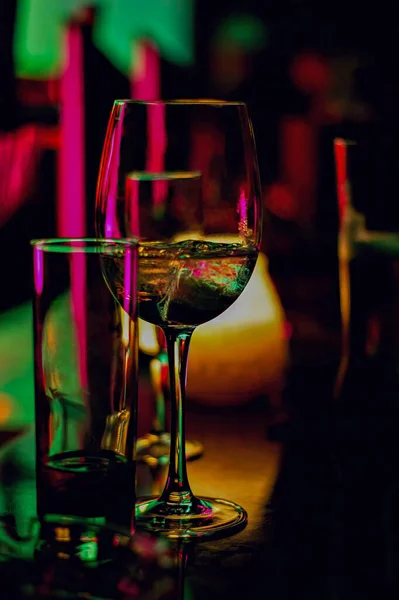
{"x": 177, "y": 489}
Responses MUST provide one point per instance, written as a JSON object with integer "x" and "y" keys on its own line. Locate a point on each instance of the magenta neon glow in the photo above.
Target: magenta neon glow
{"x": 71, "y": 155}
{"x": 78, "y": 300}
{"x": 18, "y": 158}
{"x": 243, "y": 212}
{"x": 132, "y": 194}
{"x": 111, "y": 222}
{"x": 38, "y": 274}
{"x": 157, "y": 142}
{"x": 129, "y": 283}
{"x": 146, "y": 85}
{"x": 71, "y": 209}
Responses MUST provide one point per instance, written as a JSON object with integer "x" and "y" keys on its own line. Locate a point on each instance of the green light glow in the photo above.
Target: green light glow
{"x": 16, "y": 367}
{"x": 40, "y": 29}
{"x": 88, "y": 551}
{"x": 168, "y": 23}
{"x": 244, "y": 30}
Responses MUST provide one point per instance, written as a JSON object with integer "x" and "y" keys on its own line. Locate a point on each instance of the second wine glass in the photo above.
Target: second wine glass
{"x": 182, "y": 176}
{"x": 153, "y": 448}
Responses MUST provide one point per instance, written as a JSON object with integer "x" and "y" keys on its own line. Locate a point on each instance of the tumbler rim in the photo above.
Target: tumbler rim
{"x": 184, "y": 101}
{"x": 87, "y": 245}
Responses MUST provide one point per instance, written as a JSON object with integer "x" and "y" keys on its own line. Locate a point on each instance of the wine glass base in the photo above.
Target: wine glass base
{"x": 154, "y": 449}
{"x": 209, "y": 518}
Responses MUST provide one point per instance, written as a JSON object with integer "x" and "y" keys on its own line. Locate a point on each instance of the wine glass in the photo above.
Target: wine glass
{"x": 182, "y": 176}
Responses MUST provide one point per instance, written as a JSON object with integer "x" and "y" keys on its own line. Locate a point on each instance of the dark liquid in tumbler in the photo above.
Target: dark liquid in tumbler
{"x": 97, "y": 485}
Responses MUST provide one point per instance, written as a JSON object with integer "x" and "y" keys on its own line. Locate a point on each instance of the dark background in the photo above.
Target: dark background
{"x": 330, "y": 527}
{"x": 338, "y": 31}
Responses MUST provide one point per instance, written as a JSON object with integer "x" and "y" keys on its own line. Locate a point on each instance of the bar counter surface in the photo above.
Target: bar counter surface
{"x": 322, "y": 505}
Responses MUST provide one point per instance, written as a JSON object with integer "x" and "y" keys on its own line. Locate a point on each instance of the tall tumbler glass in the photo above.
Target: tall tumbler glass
{"x": 85, "y": 379}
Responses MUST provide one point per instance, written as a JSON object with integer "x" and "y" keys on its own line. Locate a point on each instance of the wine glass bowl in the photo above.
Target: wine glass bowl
{"x": 182, "y": 176}
{"x": 190, "y": 283}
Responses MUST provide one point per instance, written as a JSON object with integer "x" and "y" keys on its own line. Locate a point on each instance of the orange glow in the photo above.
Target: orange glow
{"x": 6, "y": 407}
{"x": 62, "y": 534}
{"x": 242, "y": 353}
{"x": 148, "y": 341}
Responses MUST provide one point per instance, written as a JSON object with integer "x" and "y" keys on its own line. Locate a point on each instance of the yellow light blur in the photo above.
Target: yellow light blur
{"x": 148, "y": 341}
{"x": 62, "y": 534}
{"x": 125, "y": 325}
{"x": 242, "y": 353}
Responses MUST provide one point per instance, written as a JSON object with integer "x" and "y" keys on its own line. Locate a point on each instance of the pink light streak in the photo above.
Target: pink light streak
{"x": 129, "y": 300}
{"x": 133, "y": 217}
{"x": 146, "y": 86}
{"x": 146, "y": 75}
{"x": 342, "y": 186}
{"x": 38, "y": 274}
{"x": 71, "y": 208}
{"x": 19, "y": 151}
{"x": 243, "y": 213}
{"x": 71, "y": 155}
{"x": 111, "y": 222}
{"x": 157, "y": 143}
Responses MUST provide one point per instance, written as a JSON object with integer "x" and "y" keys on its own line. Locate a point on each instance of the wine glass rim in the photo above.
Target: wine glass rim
{"x": 81, "y": 244}
{"x": 184, "y": 101}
